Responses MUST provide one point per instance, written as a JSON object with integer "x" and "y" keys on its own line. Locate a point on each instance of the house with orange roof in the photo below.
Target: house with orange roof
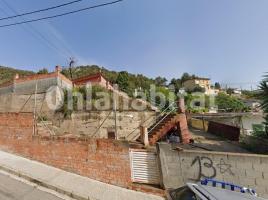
{"x": 95, "y": 79}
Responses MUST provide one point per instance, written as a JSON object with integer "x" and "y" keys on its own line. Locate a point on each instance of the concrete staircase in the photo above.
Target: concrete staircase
{"x": 165, "y": 124}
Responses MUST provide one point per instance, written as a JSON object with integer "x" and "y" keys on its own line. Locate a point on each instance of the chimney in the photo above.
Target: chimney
{"x": 16, "y": 77}
{"x": 58, "y": 69}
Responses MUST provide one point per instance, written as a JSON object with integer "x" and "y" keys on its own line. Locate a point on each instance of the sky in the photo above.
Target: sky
{"x": 225, "y": 40}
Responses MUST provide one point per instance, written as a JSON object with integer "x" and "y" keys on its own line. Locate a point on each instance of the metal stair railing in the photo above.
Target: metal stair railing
{"x": 151, "y": 129}
{"x": 157, "y": 117}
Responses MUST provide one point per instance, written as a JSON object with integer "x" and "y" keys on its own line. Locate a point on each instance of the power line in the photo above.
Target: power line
{"x": 63, "y": 14}
{"x": 37, "y": 33}
{"x": 41, "y": 10}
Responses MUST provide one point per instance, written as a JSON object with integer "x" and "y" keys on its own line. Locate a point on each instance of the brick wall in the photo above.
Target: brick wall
{"x": 99, "y": 159}
{"x": 180, "y": 167}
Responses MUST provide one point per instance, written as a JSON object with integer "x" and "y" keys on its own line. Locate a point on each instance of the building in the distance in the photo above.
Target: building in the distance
{"x": 40, "y": 83}
{"x": 37, "y": 83}
{"x": 95, "y": 79}
{"x": 196, "y": 83}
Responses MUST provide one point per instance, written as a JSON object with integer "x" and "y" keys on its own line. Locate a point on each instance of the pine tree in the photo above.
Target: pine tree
{"x": 122, "y": 81}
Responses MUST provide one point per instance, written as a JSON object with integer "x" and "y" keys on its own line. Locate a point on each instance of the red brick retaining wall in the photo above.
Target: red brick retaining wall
{"x": 99, "y": 159}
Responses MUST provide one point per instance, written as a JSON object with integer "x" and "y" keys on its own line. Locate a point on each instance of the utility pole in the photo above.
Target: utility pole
{"x": 71, "y": 65}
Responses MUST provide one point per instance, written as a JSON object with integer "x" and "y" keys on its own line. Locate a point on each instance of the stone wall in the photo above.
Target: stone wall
{"x": 83, "y": 122}
{"x": 180, "y": 167}
{"x": 87, "y": 123}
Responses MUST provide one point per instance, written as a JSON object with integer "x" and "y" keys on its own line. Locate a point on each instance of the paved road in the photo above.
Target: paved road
{"x": 13, "y": 189}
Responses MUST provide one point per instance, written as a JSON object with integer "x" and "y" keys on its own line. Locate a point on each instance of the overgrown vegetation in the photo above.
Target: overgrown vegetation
{"x": 259, "y": 130}
{"x": 43, "y": 71}
{"x": 7, "y": 73}
{"x": 228, "y": 103}
{"x": 248, "y": 94}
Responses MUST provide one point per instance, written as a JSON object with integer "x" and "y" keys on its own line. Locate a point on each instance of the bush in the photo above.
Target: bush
{"x": 258, "y": 130}
{"x": 230, "y": 103}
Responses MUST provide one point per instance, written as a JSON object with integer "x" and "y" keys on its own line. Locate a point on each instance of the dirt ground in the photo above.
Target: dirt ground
{"x": 207, "y": 141}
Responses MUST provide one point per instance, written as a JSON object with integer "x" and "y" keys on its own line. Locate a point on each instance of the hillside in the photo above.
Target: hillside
{"x": 7, "y": 73}
{"x": 132, "y": 81}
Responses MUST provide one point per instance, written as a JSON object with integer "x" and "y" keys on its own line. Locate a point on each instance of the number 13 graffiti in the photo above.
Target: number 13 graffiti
{"x": 204, "y": 162}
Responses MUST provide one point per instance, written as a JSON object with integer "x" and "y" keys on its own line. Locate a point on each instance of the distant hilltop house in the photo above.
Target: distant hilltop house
{"x": 95, "y": 79}
{"x": 40, "y": 83}
{"x": 237, "y": 91}
{"x": 200, "y": 83}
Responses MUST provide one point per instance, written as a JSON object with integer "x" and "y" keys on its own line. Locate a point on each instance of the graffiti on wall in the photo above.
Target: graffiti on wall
{"x": 208, "y": 169}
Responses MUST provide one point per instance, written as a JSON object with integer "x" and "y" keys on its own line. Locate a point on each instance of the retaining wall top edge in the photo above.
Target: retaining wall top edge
{"x": 222, "y": 153}
{"x": 1, "y": 112}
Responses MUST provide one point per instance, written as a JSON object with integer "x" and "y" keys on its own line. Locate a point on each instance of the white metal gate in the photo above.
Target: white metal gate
{"x": 144, "y": 167}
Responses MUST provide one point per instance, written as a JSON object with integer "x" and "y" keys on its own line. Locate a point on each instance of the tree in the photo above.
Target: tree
{"x": 217, "y": 85}
{"x": 263, "y": 96}
{"x": 229, "y": 103}
{"x": 160, "y": 81}
{"x": 230, "y": 91}
{"x": 122, "y": 81}
{"x": 176, "y": 83}
{"x": 43, "y": 71}
{"x": 185, "y": 77}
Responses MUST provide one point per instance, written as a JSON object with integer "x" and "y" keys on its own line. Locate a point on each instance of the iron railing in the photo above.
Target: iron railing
{"x": 158, "y": 117}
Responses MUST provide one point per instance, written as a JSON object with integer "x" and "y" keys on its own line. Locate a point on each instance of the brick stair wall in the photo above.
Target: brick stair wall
{"x": 167, "y": 124}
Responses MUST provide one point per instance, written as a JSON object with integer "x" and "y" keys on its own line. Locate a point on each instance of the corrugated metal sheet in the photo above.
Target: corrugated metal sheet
{"x": 144, "y": 167}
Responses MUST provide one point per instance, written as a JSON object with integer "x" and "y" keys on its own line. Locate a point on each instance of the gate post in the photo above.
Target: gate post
{"x": 144, "y": 136}
{"x": 181, "y": 105}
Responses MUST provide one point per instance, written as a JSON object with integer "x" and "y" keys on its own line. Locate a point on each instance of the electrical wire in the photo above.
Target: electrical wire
{"x": 41, "y": 10}
{"x": 35, "y": 33}
{"x": 60, "y": 15}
